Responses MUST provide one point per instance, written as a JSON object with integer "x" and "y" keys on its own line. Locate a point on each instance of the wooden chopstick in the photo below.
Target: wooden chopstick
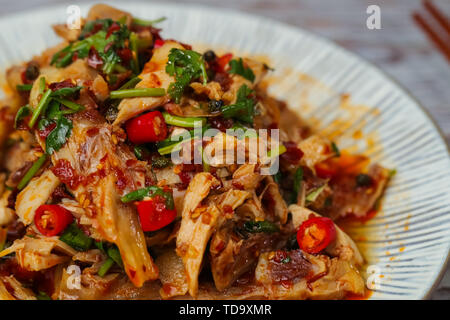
{"x": 440, "y": 41}
{"x": 440, "y": 17}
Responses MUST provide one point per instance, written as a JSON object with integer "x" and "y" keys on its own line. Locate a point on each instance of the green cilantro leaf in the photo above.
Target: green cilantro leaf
{"x": 59, "y": 135}
{"x": 243, "y": 109}
{"x": 237, "y": 67}
{"x": 185, "y": 66}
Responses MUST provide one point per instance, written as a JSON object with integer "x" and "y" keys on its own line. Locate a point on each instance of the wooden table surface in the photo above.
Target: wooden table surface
{"x": 399, "y": 47}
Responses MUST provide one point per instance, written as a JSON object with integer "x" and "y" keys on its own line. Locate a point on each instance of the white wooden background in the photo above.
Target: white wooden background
{"x": 399, "y": 48}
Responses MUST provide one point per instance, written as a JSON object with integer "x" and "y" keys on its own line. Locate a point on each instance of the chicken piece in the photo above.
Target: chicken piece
{"x": 274, "y": 200}
{"x": 20, "y": 153}
{"x": 63, "y": 31}
{"x": 11, "y": 289}
{"x": 192, "y": 251}
{"x": 258, "y": 69}
{"x": 252, "y": 209}
{"x": 172, "y": 275}
{"x": 153, "y": 76}
{"x": 343, "y": 247}
{"x": 246, "y": 177}
{"x": 309, "y": 276}
{"x": 212, "y": 89}
{"x": 92, "y": 286}
{"x": 98, "y": 172}
{"x": 35, "y": 194}
{"x": 228, "y": 201}
{"x": 103, "y": 11}
{"x": 36, "y": 254}
{"x": 6, "y": 214}
{"x": 197, "y": 225}
{"x": 232, "y": 256}
{"x": 315, "y": 149}
{"x": 350, "y": 199}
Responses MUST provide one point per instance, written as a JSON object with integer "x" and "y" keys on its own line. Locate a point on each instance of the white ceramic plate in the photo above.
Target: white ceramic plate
{"x": 408, "y": 242}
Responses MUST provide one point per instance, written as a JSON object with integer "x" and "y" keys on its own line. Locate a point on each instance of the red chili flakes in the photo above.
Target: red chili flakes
{"x": 237, "y": 185}
{"x": 227, "y": 209}
{"x": 64, "y": 171}
{"x": 63, "y": 84}
{"x": 113, "y": 28}
{"x": 92, "y": 132}
{"x": 60, "y": 193}
{"x": 280, "y": 255}
{"x": 122, "y": 180}
{"x": 224, "y": 79}
{"x": 158, "y": 43}
{"x": 220, "y": 123}
{"x": 293, "y": 154}
{"x": 220, "y": 246}
{"x": 94, "y": 59}
{"x": 125, "y": 54}
{"x": 43, "y": 134}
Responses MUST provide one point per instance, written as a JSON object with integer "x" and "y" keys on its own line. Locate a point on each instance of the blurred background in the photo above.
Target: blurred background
{"x": 404, "y": 47}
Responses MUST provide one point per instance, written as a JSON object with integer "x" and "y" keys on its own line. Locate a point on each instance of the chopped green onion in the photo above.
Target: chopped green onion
{"x": 335, "y": 149}
{"x": 100, "y": 246}
{"x": 71, "y": 105}
{"x": 134, "y": 50}
{"x": 363, "y": 180}
{"x": 277, "y": 152}
{"x": 312, "y": 196}
{"x": 286, "y": 260}
{"x": 23, "y": 112}
{"x": 42, "y": 296}
{"x": 64, "y": 92}
{"x": 186, "y": 122}
{"x": 173, "y": 147}
{"x": 130, "y": 83}
{"x": 105, "y": 267}
{"x": 143, "y": 43}
{"x": 76, "y": 238}
{"x": 40, "y": 108}
{"x": 260, "y": 226}
{"x": 24, "y": 87}
{"x": 114, "y": 254}
{"x": 137, "y": 92}
{"x": 160, "y": 162}
{"x": 147, "y": 23}
{"x": 205, "y": 163}
{"x": 151, "y": 191}
{"x": 41, "y": 85}
{"x": 392, "y": 173}
{"x": 298, "y": 177}
{"x": 31, "y": 172}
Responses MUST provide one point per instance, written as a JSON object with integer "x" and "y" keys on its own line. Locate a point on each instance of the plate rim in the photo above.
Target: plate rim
{"x": 295, "y": 29}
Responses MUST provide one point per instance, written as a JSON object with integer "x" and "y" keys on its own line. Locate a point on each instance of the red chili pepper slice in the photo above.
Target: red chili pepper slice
{"x": 113, "y": 28}
{"x": 315, "y": 234}
{"x": 158, "y": 43}
{"x": 52, "y": 219}
{"x": 293, "y": 154}
{"x": 222, "y": 62}
{"x": 149, "y": 127}
{"x": 153, "y": 213}
{"x": 343, "y": 165}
